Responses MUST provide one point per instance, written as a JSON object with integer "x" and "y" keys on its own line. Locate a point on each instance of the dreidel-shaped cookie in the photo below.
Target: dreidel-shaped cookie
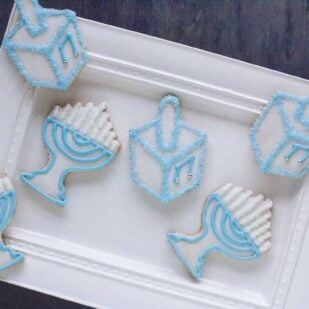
{"x": 234, "y": 223}
{"x": 280, "y": 136}
{"x": 167, "y": 157}
{"x": 46, "y": 45}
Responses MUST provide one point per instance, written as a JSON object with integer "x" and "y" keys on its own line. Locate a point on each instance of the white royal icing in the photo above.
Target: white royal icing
{"x": 5, "y": 184}
{"x": 91, "y": 120}
{"x": 251, "y": 212}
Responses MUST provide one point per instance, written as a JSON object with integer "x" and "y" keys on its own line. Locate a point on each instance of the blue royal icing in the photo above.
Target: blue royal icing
{"x": 233, "y": 240}
{"x": 36, "y": 26}
{"x": 174, "y": 102}
{"x": 67, "y": 38}
{"x": 63, "y": 77}
{"x": 299, "y": 140}
{"x": 169, "y": 154}
{"x": 84, "y": 155}
{"x": 300, "y": 113}
{"x": 7, "y": 208}
{"x": 179, "y": 166}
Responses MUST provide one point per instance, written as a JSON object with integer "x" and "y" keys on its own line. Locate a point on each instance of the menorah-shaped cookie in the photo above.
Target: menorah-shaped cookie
{"x": 8, "y": 256}
{"x": 78, "y": 138}
{"x": 234, "y": 223}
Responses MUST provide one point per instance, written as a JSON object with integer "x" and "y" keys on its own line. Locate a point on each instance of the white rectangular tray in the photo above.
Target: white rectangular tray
{"x": 108, "y": 247}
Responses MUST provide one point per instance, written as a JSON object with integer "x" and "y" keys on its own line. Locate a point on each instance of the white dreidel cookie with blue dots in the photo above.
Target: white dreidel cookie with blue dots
{"x": 167, "y": 156}
{"x": 8, "y": 256}
{"x": 280, "y": 136}
{"x": 78, "y": 138}
{"x": 46, "y": 45}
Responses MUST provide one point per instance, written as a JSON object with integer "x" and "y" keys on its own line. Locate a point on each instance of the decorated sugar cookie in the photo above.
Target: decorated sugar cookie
{"x": 167, "y": 157}
{"x": 46, "y": 45}
{"x": 8, "y": 256}
{"x": 78, "y": 138}
{"x": 234, "y": 222}
{"x": 280, "y": 136}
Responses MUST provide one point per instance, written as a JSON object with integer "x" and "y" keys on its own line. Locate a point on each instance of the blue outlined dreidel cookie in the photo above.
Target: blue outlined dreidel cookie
{"x": 8, "y": 256}
{"x": 78, "y": 138}
{"x": 280, "y": 136}
{"x": 167, "y": 155}
{"x": 234, "y": 223}
{"x": 46, "y": 45}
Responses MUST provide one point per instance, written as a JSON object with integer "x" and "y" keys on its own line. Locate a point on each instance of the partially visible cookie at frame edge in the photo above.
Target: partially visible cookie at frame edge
{"x": 8, "y": 256}
{"x": 235, "y": 223}
{"x": 280, "y": 136}
{"x": 164, "y": 164}
{"x": 46, "y": 45}
{"x": 78, "y": 138}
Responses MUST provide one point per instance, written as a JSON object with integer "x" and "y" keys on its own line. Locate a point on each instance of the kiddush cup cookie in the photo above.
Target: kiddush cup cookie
{"x": 46, "y": 45}
{"x": 78, "y": 138}
{"x": 234, "y": 222}
{"x": 167, "y": 157}
{"x": 8, "y": 256}
{"x": 280, "y": 136}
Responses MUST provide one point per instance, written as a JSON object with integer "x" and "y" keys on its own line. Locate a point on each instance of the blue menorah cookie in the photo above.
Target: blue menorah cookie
{"x": 234, "y": 223}
{"x": 78, "y": 138}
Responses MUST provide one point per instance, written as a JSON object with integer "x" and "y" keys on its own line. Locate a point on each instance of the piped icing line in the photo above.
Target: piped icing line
{"x": 36, "y": 26}
{"x": 297, "y": 140}
{"x": 300, "y": 112}
{"x": 172, "y": 101}
{"x": 76, "y": 141}
{"x": 9, "y": 256}
{"x": 172, "y": 158}
{"x": 31, "y": 16}
{"x": 236, "y": 224}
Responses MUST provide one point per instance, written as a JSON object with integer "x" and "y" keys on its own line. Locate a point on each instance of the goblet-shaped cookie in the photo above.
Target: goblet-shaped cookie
{"x": 234, "y": 223}
{"x": 78, "y": 138}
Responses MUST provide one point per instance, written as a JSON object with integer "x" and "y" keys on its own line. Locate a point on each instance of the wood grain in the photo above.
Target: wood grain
{"x": 13, "y": 297}
{"x": 269, "y": 33}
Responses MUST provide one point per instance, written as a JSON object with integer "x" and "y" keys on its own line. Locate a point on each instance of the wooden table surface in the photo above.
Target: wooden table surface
{"x": 270, "y": 33}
